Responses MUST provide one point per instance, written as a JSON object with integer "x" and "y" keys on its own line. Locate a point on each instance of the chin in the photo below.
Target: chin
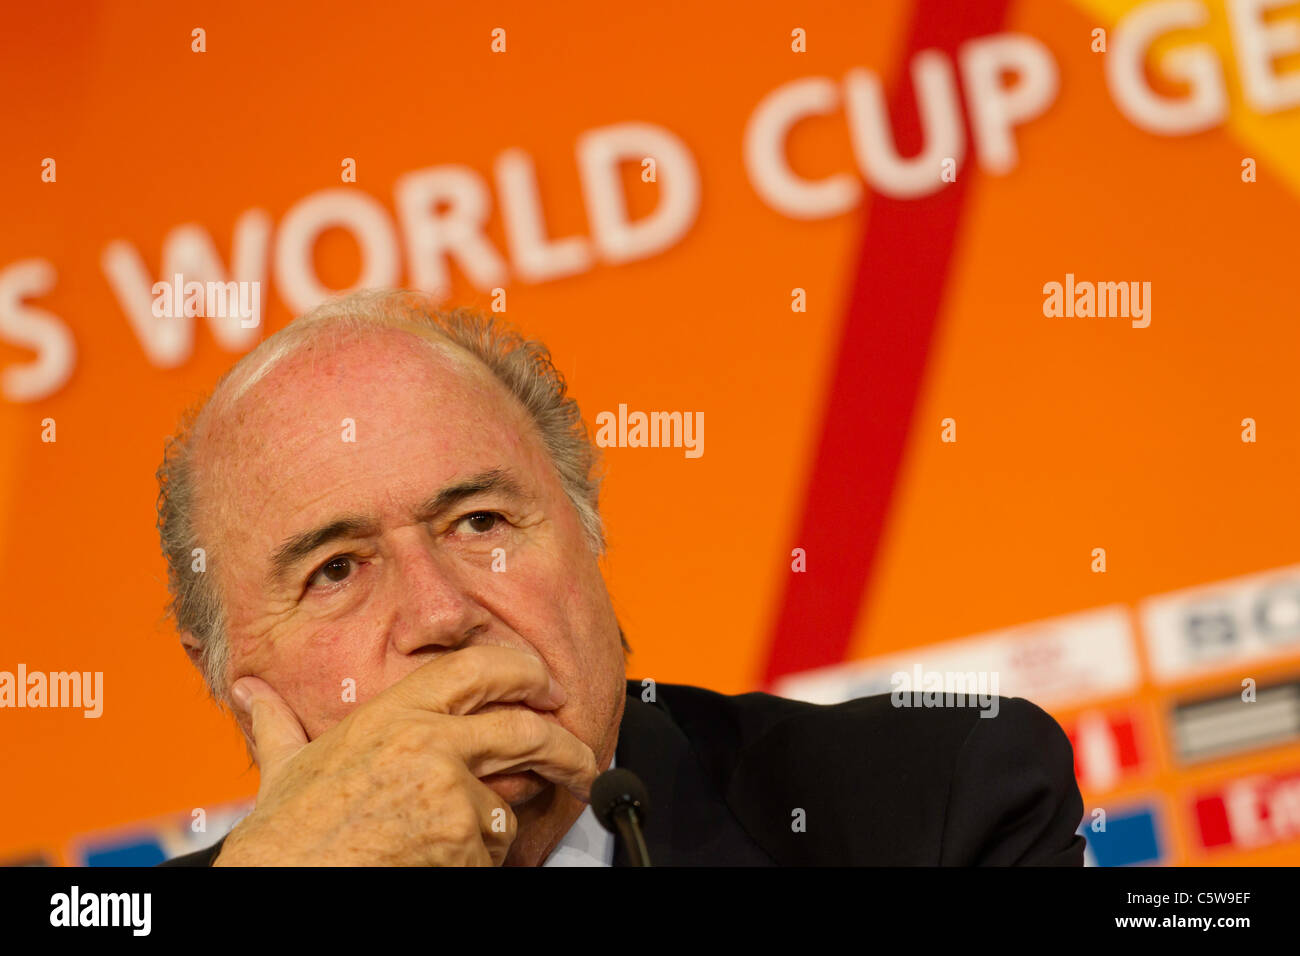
{"x": 516, "y": 788}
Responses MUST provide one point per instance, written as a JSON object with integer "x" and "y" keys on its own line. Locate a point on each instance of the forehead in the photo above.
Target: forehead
{"x": 362, "y": 357}
{"x": 333, "y": 423}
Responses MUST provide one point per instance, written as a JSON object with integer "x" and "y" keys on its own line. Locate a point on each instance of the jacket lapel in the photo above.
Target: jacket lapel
{"x": 687, "y": 823}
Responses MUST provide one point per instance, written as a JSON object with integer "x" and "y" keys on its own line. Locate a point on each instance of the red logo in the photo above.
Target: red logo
{"x": 1250, "y": 812}
{"x": 1105, "y": 749}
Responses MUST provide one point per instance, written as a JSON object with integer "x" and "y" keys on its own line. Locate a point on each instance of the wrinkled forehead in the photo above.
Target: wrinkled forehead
{"x": 358, "y": 396}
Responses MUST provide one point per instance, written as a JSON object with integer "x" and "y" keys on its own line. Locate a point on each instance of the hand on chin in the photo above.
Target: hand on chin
{"x": 519, "y": 787}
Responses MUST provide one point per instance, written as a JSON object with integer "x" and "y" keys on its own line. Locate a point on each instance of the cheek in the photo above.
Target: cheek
{"x": 323, "y": 678}
{"x": 561, "y": 608}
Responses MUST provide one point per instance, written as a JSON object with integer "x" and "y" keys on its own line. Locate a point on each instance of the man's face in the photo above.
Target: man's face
{"x": 358, "y": 499}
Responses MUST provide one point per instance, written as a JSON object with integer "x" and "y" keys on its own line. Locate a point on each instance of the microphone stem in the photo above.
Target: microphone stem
{"x": 629, "y": 829}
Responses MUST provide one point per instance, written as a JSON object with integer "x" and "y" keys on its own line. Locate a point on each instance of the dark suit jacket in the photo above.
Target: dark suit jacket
{"x": 877, "y": 785}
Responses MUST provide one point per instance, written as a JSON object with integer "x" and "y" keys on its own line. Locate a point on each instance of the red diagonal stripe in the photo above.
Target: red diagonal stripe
{"x": 897, "y": 289}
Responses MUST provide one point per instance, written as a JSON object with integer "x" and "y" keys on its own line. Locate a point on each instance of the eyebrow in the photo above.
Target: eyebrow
{"x": 301, "y": 546}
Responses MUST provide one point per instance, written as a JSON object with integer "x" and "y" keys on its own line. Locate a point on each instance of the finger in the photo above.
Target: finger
{"x": 460, "y": 682}
{"x": 277, "y": 734}
{"x": 518, "y": 739}
{"x": 496, "y": 819}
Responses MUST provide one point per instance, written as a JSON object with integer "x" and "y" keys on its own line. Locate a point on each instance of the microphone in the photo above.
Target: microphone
{"x": 620, "y": 801}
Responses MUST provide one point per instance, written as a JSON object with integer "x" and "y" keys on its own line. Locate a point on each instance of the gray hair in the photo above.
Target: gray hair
{"x": 522, "y": 365}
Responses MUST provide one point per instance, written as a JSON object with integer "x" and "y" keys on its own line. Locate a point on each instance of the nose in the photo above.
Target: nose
{"x": 433, "y": 607}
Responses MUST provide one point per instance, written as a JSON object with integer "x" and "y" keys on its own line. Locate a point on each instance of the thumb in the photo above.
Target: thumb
{"x": 276, "y": 733}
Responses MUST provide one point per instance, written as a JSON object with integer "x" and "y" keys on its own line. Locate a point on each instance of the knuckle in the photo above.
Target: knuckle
{"x": 458, "y": 674}
{"x": 405, "y": 735}
{"x": 460, "y": 823}
{"x": 530, "y": 728}
{"x": 360, "y": 725}
{"x": 442, "y": 769}
{"x": 459, "y": 667}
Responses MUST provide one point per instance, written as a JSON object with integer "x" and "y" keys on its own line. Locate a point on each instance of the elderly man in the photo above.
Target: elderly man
{"x": 401, "y": 601}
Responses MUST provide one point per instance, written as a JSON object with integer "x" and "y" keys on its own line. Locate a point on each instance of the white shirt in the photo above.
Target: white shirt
{"x": 586, "y": 844}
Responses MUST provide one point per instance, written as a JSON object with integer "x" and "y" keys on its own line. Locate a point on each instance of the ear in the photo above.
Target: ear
{"x": 193, "y": 648}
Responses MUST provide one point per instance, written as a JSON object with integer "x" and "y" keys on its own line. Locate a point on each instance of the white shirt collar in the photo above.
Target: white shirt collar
{"x": 586, "y": 844}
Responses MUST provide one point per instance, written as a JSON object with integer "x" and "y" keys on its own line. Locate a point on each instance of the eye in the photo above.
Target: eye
{"x": 480, "y": 522}
{"x": 332, "y": 571}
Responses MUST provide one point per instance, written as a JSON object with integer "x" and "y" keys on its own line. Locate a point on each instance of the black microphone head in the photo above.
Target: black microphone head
{"x": 615, "y": 789}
